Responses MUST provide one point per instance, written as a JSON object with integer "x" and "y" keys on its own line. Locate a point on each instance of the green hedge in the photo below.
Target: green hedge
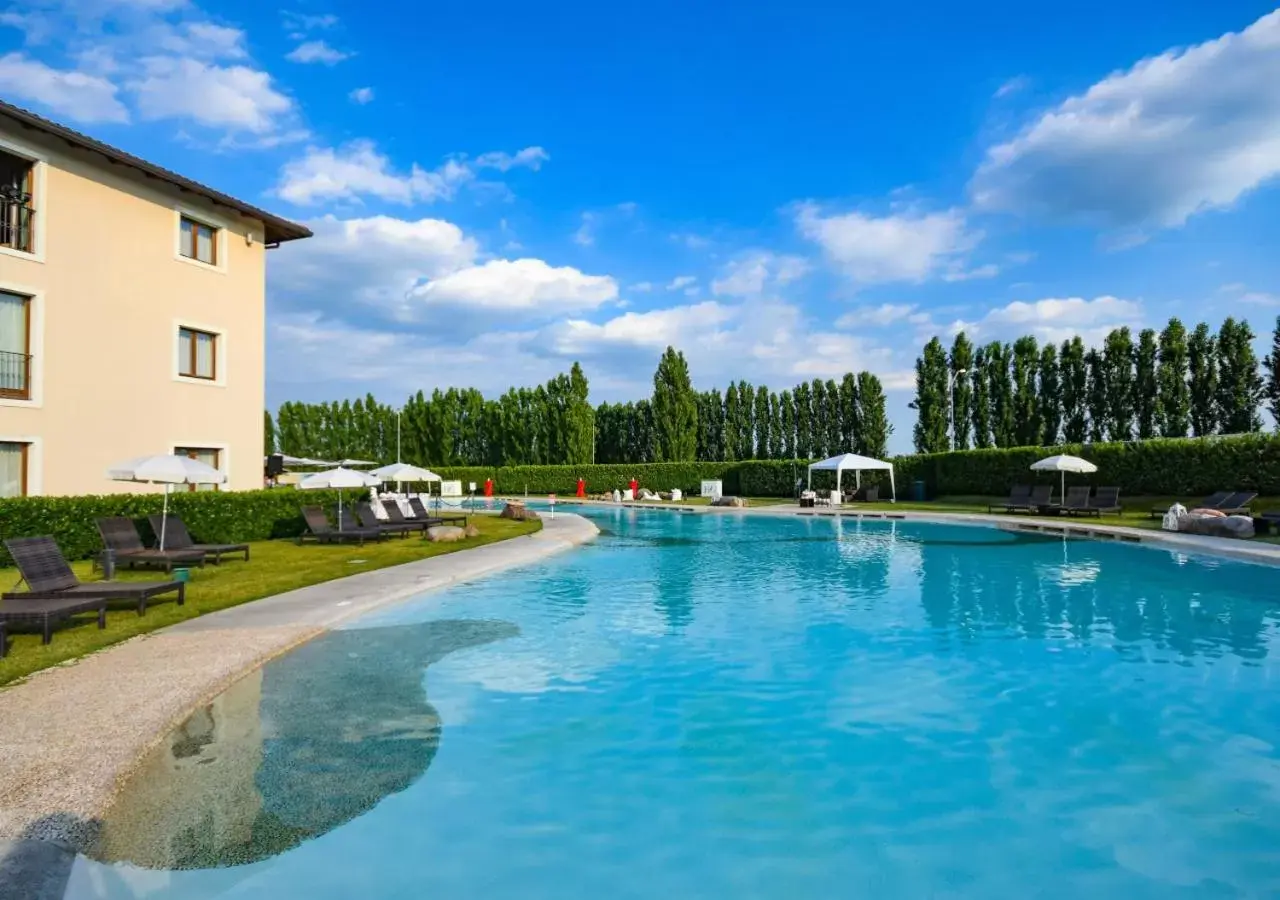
{"x": 211, "y": 516}
{"x": 563, "y": 480}
{"x": 1171, "y": 467}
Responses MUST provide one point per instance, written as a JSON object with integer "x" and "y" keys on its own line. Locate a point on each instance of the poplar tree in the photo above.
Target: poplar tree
{"x": 1146, "y": 394}
{"x": 764, "y": 423}
{"x": 1202, "y": 361}
{"x": 804, "y": 421}
{"x": 1097, "y": 395}
{"x": 1050, "y": 396}
{"x": 874, "y": 438}
{"x": 268, "y": 434}
{"x": 776, "y": 425}
{"x": 1271, "y": 365}
{"x": 835, "y": 420}
{"x": 1117, "y": 357}
{"x": 930, "y": 404}
{"x": 787, "y": 416}
{"x": 819, "y": 411}
{"x": 1000, "y": 389}
{"x": 962, "y": 366}
{"x": 1074, "y": 378}
{"x": 850, "y": 424}
{"x": 1026, "y": 413}
{"x": 732, "y": 423}
{"x": 980, "y": 405}
{"x": 1239, "y": 384}
{"x": 1173, "y": 394}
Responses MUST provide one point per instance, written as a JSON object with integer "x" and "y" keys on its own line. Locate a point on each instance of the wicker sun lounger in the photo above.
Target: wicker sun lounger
{"x": 121, "y": 535}
{"x": 49, "y": 576}
{"x": 176, "y": 537}
{"x": 320, "y": 531}
{"x": 1237, "y": 504}
{"x": 398, "y": 518}
{"x": 423, "y": 514}
{"x": 45, "y": 612}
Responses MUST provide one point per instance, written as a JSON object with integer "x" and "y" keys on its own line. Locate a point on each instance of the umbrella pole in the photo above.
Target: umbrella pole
{"x": 339, "y": 509}
{"x": 164, "y": 516}
{"x": 1062, "y": 489}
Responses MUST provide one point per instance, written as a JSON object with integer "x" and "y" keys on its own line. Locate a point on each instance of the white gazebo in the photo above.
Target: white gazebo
{"x": 852, "y": 461}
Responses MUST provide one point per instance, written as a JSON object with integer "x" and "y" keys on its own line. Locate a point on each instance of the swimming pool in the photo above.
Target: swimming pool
{"x": 746, "y": 706}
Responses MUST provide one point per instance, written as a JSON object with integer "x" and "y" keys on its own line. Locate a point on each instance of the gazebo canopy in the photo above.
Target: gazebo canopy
{"x": 855, "y": 463}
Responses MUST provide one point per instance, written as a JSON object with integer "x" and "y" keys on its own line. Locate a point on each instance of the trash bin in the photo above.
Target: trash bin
{"x": 917, "y": 491}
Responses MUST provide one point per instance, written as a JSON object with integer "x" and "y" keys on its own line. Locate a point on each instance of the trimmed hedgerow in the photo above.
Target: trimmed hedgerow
{"x": 211, "y": 516}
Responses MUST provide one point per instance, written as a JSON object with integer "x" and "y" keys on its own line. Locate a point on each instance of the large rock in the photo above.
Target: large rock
{"x": 445, "y": 534}
{"x": 729, "y": 501}
{"x": 517, "y": 511}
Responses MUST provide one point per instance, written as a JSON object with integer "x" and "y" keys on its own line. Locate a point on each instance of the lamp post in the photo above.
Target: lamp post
{"x": 951, "y": 401}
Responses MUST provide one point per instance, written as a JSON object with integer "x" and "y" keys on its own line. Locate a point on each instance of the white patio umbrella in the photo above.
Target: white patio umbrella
{"x": 356, "y": 462}
{"x": 1064, "y": 464}
{"x": 402, "y": 472}
{"x": 339, "y": 479}
{"x": 167, "y": 470}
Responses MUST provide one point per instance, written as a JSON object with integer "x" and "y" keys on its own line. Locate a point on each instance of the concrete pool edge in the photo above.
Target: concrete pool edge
{"x": 73, "y": 733}
{"x": 1082, "y": 529}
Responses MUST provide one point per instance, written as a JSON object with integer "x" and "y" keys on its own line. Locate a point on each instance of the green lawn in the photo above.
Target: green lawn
{"x": 274, "y": 567}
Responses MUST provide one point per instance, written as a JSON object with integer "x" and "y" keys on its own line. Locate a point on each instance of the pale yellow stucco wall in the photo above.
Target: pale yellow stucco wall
{"x": 110, "y": 293}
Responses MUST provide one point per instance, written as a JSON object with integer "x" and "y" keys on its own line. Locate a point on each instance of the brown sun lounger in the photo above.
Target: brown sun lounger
{"x": 121, "y": 535}
{"x": 1210, "y": 502}
{"x": 1019, "y": 496}
{"x": 421, "y": 523}
{"x": 423, "y": 515}
{"x": 320, "y": 531}
{"x": 1105, "y": 500}
{"x": 369, "y": 519}
{"x": 1076, "y": 500}
{"x": 48, "y": 576}
{"x": 176, "y": 537}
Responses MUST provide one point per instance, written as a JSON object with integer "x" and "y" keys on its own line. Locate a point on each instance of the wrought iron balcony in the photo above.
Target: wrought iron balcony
{"x": 15, "y": 375}
{"x": 17, "y": 224}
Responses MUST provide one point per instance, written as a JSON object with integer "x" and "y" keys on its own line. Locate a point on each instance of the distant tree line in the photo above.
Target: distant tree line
{"x": 1165, "y": 384}
{"x": 555, "y": 424}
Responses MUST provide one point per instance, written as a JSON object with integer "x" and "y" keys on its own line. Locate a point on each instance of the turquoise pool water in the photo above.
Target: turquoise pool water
{"x": 726, "y": 706}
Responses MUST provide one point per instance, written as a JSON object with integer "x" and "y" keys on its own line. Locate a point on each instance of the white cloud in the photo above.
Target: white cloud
{"x": 237, "y": 98}
{"x": 316, "y": 52}
{"x": 373, "y": 262}
{"x": 1054, "y": 319}
{"x": 690, "y": 240}
{"x": 76, "y": 95}
{"x": 519, "y": 285}
{"x": 958, "y": 273}
{"x": 876, "y": 316}
{"x": 361, "y": 95}
{"x": 1013, "y": 86}
{"x": 528, "y": 158}
{"x": 203, "y": 40}
{"x": 358, "y": 169}
{"x": 642, "y": 287}
{"x": 585, "y": 236}
{"x": 911, "y": 247}
{"x": 655, "y": 329}
{"x": 304, "y": 22}
{"x": 682, "y": 282}
{"x": 751, "y": 273}
{"x": 1176, "y": 134}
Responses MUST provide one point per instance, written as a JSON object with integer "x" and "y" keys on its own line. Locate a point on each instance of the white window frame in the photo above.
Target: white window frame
{"x": 36, "y": 347}
{"x": 35, "y": 461}
{"x": 224, "y": 457}
{"x": 219, "y": 358}
{"x": 41, "y": 196}
{"x": 219, "y": 239}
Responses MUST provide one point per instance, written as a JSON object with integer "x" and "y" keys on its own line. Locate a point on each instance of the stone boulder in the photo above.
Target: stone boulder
{"x": 729, "y": 501}
{"x": 445, "y": 534}
{"x": 517, "y": 511}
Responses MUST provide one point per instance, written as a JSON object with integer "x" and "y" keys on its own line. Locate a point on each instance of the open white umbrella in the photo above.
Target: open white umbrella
{"x": 339, "y": 479}
{"x": 167, "y": 470}
{"x": 402, "y": 472}
{"x": 342, "y": 463}
{"x": 1064, "y": 464}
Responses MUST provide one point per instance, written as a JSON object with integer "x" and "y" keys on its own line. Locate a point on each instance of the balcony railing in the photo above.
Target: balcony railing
{"x": 17, "y": 225}
{"x": 15, "y": 375}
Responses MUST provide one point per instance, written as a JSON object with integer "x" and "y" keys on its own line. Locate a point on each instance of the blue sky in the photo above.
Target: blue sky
{"x": 781, "y": 191}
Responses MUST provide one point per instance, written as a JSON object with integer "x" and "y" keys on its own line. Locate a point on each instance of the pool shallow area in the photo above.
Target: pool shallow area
{"x": 745, "y": 706}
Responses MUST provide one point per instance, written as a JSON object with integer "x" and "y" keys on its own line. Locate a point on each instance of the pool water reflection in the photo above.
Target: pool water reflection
{"x": 733, "y": 706}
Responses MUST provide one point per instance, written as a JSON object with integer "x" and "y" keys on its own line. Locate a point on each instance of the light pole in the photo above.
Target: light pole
{"x": 951, "y": 400}
{"x": 398, "y": 411}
